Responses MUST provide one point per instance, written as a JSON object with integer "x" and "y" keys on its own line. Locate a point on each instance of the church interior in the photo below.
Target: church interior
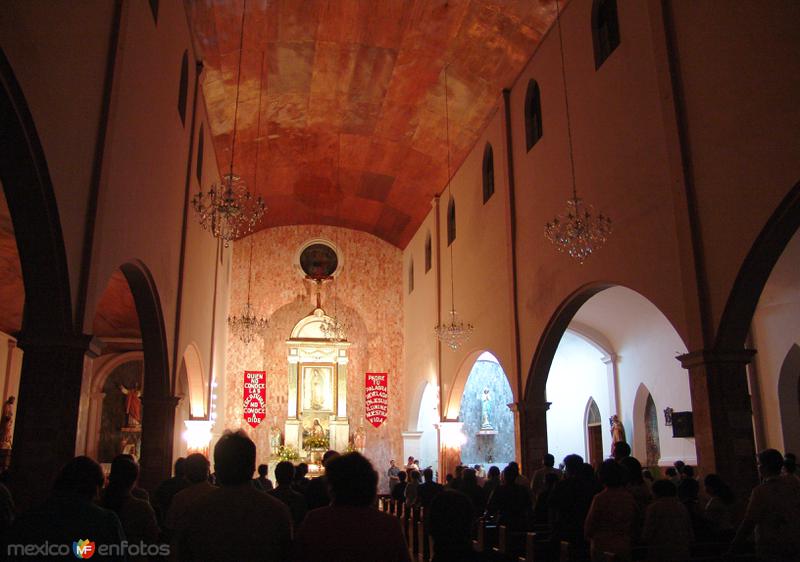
{"x": 464, "y": 231}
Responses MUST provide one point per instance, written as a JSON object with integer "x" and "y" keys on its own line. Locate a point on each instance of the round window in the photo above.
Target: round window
{"x": 319, "y": 261}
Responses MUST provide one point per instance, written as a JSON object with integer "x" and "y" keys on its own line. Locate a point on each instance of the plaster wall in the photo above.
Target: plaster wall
{"x": 481, "y": 268}
{"x": 577, "y": 374}
{"x": 774, "y": 331}
{"x": 368, "y": 296}
{"x": 58, "y": 52}
{"x": 740, "y": 85}
{"x": 621, "y": 167}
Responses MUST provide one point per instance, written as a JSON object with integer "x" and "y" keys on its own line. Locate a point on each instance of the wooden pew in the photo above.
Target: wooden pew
{"x": 486, "y": 536}
{"x": 510, "y": 544}
{"x": 423, "y": 542}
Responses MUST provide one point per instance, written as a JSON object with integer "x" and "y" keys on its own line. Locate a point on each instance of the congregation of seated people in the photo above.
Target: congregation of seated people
{"x": 616, "y": 511}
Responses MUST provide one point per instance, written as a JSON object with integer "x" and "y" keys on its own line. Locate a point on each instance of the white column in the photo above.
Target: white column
{"x": 612, "y": 376}
{"x": 411, "y": 445}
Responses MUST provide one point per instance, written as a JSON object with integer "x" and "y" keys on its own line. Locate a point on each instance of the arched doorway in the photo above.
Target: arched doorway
{"x": 594, "y": 434}
{"x": 488, "y": 422}
{"x": 426, "y": 424}
{"x": 644, "y": 348}
{"x": 652, "y": 442}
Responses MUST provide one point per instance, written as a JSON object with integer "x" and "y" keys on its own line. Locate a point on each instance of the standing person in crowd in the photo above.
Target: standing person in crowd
{"x": 718, "y": 512}
{"x": 412, "y": 487}
{"x": 611, "y": 522}
{"x": 548, "y": 464}
{"x": 621, "y": 450}
{"x": 635, "y": 484}
{"x": 458, "y": 479}
{"x": 672, "y": 476}
{"x": 541, "y": 506}
{"x": 450, "y": 522}
{"x": 137, "y": 516}
{"x": 411, "y": 465}
{"x": 511, "y": 502}
{"x": 522, "y": 480}
{"x": 350, "y": 528}
{"x": 197, "y": 470}
{"x": 569, "y": 503}
{"x": 70, "y": 512}
{"x": 492, "y": 481}
{"x": 317, "y": 491}
{"x": 167, "y": 490}
{"x": 790, "y": 465}
{"x": 773, "y": 512}
{"x": 399, "y": 491}
{"x": 667, "y": 528}
{"x": 284, "y": 474}
{"x": 429, "y": 490}
{"x": 263, "y": 483}
{"x": 236, "y": 521}
{"x": 300, "y": 482}
{"x": 480, "y": 473}
{"x": 475, "y": 493}
{"x": 392, "y": 474}
{"x": 679, "y": 466}
{"x": 688, "y": 494}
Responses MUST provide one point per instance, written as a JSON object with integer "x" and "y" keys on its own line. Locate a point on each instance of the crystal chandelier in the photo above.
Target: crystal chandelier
{"x": 580, "y": 231}
{"x": 228, "y": 210}
{"x": 247, "y": 326}
{"x": 455, "y": 332}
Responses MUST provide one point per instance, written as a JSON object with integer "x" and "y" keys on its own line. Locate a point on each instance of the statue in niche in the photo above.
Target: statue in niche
{"x": 486, "y": 409}
{"x": 359, "y": 440}
{"x": 275, "y": 438}
{"x": 317, "y": 430}
{"x": 6, "y": 424}
{"x": 317, "y": 391}
{"x": 133, "y": 405}
{"x": 617, "y": 432}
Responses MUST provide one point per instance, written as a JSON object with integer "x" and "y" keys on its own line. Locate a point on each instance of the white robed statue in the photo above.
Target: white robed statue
{"x": 486, "y": 409}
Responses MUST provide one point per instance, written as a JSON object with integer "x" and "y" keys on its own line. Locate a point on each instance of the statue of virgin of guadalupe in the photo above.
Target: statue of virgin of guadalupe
{"x": 486, "y": 409}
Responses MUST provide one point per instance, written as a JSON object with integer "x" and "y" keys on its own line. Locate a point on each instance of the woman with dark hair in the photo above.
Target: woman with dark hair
{"x": 475, "y": 493}
{"x": 667, "y": 528}
{"x": 492, "y": 481}
{"x": 718, "y": 511}
{"x": 450, "y": 519}
{"x": 635, "y": 484}
{"x": 610, "y": 523}
{"x": 137, "y": 516}
{"x": 351, "y": 528}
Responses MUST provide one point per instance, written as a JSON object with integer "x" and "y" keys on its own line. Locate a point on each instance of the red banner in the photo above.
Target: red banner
{"x": 255, "y": 397}
{"x": 376, "y": 404}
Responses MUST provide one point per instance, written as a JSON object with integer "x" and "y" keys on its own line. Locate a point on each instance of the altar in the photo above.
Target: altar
{"x": 317, "y": 390}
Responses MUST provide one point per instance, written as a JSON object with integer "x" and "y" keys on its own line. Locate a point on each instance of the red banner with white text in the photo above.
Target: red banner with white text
{"x": 255, "y": 397}
{"x": 376, "y": 403}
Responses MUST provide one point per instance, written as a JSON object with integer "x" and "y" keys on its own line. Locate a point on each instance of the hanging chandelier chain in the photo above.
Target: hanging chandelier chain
{"x": 449, "y": 190}
{"x": 566, "y": 103}
{"x": 258, "y": 126}
{"x": 250, "y": 270}
{"x": 238, "y": 87}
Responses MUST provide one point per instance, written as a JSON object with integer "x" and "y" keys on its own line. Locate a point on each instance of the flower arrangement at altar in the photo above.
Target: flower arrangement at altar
{"x": 313, "y": 442}
{"x": 287, "y": 453}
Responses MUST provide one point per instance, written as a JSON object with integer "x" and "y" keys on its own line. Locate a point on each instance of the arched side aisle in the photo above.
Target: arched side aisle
{"x": 45, "y": 429}
{"x": 158, "y": 403}
{"x": 637, "y": 349}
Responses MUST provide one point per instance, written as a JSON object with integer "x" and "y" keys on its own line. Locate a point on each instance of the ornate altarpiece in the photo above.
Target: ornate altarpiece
{"x": 317, "y": 386}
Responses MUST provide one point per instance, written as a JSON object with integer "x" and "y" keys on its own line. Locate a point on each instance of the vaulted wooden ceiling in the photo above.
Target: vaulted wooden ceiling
{"x": 357, "y": 86}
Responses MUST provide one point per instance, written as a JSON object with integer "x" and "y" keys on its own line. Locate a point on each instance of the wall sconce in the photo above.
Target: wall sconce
{"x": 668, "y": 416}
{"x": 198, "y": 435}
{"x": 450, "y": 434}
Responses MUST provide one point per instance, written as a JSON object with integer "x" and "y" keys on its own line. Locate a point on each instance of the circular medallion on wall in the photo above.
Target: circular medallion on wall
{"x": 319, "y": 259}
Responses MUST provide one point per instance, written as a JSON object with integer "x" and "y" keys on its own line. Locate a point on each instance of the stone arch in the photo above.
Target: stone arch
{"x": 158, "y": 403}
{"x": 737, "y": 317}
{"x": 789, "y": 399}
{"x": 192, "y": 366}
{"x": 452, "y": 405}
{"x": 534, "y": 426}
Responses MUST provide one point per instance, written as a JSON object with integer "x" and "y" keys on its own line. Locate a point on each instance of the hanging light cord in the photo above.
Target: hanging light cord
{"x": 238, "y": 84}
{"x": 566, "y": 103}
{"x": 250, "y": 271}
{"x": 449, "y": 192}
{"x": 258, "y": 126}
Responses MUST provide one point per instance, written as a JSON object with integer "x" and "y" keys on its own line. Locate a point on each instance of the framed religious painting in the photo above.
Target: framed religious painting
{"x": 318, "y": 388}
